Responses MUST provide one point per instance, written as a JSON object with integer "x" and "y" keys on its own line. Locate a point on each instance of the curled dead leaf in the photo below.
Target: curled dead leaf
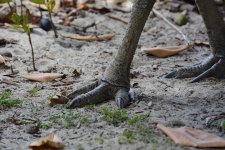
{"x": 58, "y": 99}
{"x": 104, "y": 37}
{"x": 43, "y": 77}
{"x": 201, "y": 43}
{"x": 163, "y": 52}
{"x": 83, "y": 7}
{"x": 2, "y": 61}
{"x": 187, "y": 136}
{"x": 52, "y": 141}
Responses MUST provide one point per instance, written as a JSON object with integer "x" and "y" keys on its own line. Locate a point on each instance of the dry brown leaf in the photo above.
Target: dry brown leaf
{"x": 163, "y": 52}
{"x": 200, "y": 43}
{"x": 100, "y": 9}
{"x": 104, "y": 37}
{"x": 43, "y": 77}
{"x": 58, "y": 99}
{"x": 2, "y": 61}
{"x": 83, "y": 7}
{"x": 52, "y": 141}
{"x": 187, "y": 136}
{"x": 67, "y": 3}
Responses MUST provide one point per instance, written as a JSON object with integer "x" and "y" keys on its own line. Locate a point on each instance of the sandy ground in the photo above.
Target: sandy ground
{"x": 173, "y": 101}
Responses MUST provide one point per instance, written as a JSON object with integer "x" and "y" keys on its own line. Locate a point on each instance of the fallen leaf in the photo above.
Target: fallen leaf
{"x": 68, "y": 3}
{"x": 58, "y": 99}
{"x": 162, "y": 52}
{"x": 200, "y": 43}
{"x": 2, "y": 60}
{"x": 52, "y": 141}
{"x": 83, "y": 7}
{"x": 43, "y": 77}
{"x": 187, "y": 136}
{"x": 104, "y": 37}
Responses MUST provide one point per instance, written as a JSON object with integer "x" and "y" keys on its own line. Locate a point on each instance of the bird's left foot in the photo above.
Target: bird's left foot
{"x": 212, "y": 66}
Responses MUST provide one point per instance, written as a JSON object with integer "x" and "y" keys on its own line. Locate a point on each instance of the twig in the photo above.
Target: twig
{"x": 39, "y": 7}
{"x": 10, "y": 6}
{"x": 32, "y": 52}
{"x": 53, "y": 26}
{"x": 21, "y": 8}
{"x": 118, "y": 19}
{"x": 172, "y": 25}
{"x": 104, "y": 37}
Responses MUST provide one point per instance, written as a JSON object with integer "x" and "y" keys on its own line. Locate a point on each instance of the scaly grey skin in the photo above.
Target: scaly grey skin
{"x": 214, "y": 65}
{"x": 116, "y": 84}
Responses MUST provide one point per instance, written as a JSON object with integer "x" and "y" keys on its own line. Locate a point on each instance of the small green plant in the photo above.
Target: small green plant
{"x": 22, "y": 23}
{"x": 222, "y": 125}
{"x": 99, "y": 139}
{"x": 80, "y": 147}
{"x": 6, "y": 101}
{"x": 5, "y": 95}
{"x": 113, "y": 116}
{"x": 42, "y": 125}
{"x": 145, "y": 134}
{"x": 33, "y": 92}
{"x": 89, "y": 107}
{"x": 35, "y": 108}
{"x": 134, "y": 120}
{"x": 66, "y": 119}
{"x": 69, "y": 120}
{"x": 165, "y": 2}
{"x": 129, "y": 135}
{"x": 50, "y": 4}
{"x": 11, "y": 103}
{"x": 85, "y": 120}
{"x": 137, "y": 119}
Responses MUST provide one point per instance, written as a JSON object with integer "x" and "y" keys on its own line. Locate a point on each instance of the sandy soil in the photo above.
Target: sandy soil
{"x": 174, "y": 102}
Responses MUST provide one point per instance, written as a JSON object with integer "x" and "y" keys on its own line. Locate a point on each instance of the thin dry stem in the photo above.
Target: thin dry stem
{"x": 53, "y": 26}
{"x": 32, "y": 51}
{"x": 10, "y": 7}
{"x": 172, "y": 25}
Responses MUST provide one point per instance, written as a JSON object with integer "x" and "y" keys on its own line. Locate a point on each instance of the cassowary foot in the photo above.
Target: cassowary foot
{"x": 101, "y": 91}
{"x": 210, "y": 67}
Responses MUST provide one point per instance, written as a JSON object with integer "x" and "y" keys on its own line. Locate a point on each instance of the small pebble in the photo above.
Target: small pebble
{"x": 45, "y": 24}
{"x": 150, "y": 104}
